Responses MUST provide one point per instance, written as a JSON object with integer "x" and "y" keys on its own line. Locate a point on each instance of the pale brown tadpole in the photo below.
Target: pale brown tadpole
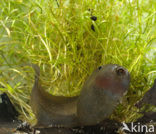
{"x": 97, "y": 100}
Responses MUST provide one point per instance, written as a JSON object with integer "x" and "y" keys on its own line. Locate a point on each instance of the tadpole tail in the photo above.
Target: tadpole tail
{"x": 37, "y": 72}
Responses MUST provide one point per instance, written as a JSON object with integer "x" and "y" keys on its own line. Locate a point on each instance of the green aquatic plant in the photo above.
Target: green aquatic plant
{"x": 61, "y": 37}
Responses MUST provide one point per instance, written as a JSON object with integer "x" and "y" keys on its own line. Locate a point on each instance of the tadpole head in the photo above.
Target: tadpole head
{"x": 113, "y": 78}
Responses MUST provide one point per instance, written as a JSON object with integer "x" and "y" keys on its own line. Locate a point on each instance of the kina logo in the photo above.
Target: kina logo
{"x": 137, "y": 127}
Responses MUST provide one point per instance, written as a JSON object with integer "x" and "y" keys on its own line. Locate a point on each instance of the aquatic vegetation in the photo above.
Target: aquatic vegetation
{"x": 69, "y": 39}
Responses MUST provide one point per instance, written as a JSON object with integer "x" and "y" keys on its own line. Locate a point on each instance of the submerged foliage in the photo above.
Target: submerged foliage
{"x": 61, "y": 37}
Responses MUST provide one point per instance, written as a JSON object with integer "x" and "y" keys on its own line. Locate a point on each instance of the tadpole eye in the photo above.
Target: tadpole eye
{"x": 120, "y": 71}
{"x": 99, "y": 67}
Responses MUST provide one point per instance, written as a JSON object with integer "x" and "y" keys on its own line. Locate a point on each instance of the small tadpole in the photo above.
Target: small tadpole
{"x": 94, "y": 18}
{"x": 100, "y": 67}
{"x": 92, "y": 27}
{"x": 128, "y": 99}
